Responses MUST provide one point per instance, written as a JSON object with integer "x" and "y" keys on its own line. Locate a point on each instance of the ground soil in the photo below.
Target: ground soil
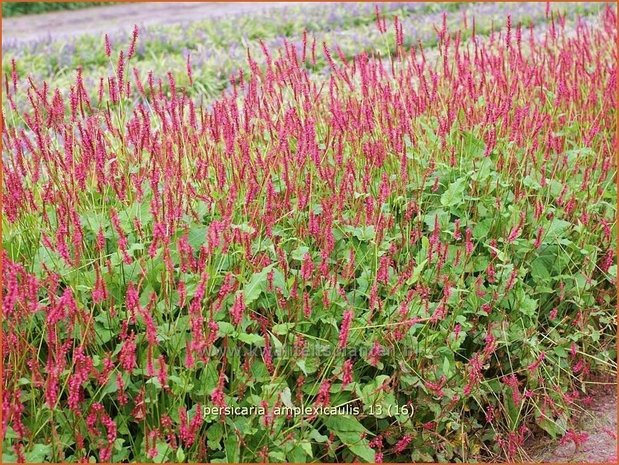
{"x": 599, "y": 421}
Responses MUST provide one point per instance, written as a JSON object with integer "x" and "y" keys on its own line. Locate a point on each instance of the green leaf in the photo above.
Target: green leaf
{"x": 256, "y": 284}
{"x": 282, "y": 328}
{"x": 557, "y": 228}
{"x": 252, "y": 339}
{"x": 103, "y": 334}
{"x": 363, "y": 233}
{"x": 417, "y": 272}
{"x": 279, "y": 281}
{"x": 197, "y": 236}
{"x": 164, "y": 451}
{"x": 94, "y": 221}
{"x": 481, "y": 229}
{"x": 299, "y": 252}
{"x": 443, "y": 219}
{"x": 472, "y": 146}
{"x": 539, "y": 269}
{"x": 345, "y": 426}
{"x": 208, "y": 380}
{"x": 307, "y": 448}
{"x": 259, "y": 371}
{"x": 301, "y": 365}
{"x": 232, "y": 448}
{"x": 371, "y": 392}
{"x": 555, "y": 187}
{"x": 363, "y": 450}
{"x": 277, "y": 456}
{"x": 349, "y": 430}
{"x": 225, "y": 328}
{"x": 513, "y": 410}
{"x": 110, "y": 387}
{"x": 447, "y": 367}
{"x": 214, "y": 434}
{"x": 528, "y": 306}
{"x": 317, "y": 437}
{"x": 554, "y": 428}
{"x": 39, "y": 453}
{"x": 499, "y": 253}
{"x": 531, "y": 182}
{"x": 454, "y": 194}
{"x": 244, "y": 227}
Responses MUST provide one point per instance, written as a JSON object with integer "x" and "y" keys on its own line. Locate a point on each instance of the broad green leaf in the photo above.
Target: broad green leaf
{"x": 363, "y": 233}
{"x": 232, "y": 448}
{"x": 363, "y": 450}
{"x": 277, "y": 456}
{"x": 282, "y": 328}
{"x": 244, "y": 227}
{"x": 214, "y": 434}
{"x": 481, "y": 229}
{"x": 539, "y": 270}
{"x": 556, "y": 428}
{"x": 316, "y": 436}
{"x": 473, "y": 147}
{"x": 557, "y": 228}
{"x": 299, "y": 252}
{"x": 301, "y": 364}
{"x": 307, "y": 448}
{"x": 349, "y": 430}
{"x": 252, "y": 339}
{"x": 528, "y": 306}
{"x": 417, "y": 272}
{"x": 286, "y": 397}
{"x": 39, "y": 453}
{"x": 256, "y": 284}
{"x": 443, "y": 219}
{"x": 225, "y": 328}
{"x": 454, "y": 194}
{"x": 197, "y": 236}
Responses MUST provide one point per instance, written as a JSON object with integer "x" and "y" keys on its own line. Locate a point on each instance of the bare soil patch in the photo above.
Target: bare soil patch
{"x": 599, "y": 422}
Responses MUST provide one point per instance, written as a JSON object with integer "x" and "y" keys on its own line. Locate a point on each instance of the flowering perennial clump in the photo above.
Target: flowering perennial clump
{"x": 433, "y": 228}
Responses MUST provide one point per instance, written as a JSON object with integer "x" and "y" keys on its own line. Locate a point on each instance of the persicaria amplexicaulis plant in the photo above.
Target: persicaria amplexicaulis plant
{"x": 433, "y": 228}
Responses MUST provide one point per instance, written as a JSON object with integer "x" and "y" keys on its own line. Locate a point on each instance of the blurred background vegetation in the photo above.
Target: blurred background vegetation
{"x": 26, "y": 8}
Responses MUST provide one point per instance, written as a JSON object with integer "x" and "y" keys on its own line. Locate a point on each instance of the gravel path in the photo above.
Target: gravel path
{"x": 109, "y": 18}
{"x": 600, "y": 423}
